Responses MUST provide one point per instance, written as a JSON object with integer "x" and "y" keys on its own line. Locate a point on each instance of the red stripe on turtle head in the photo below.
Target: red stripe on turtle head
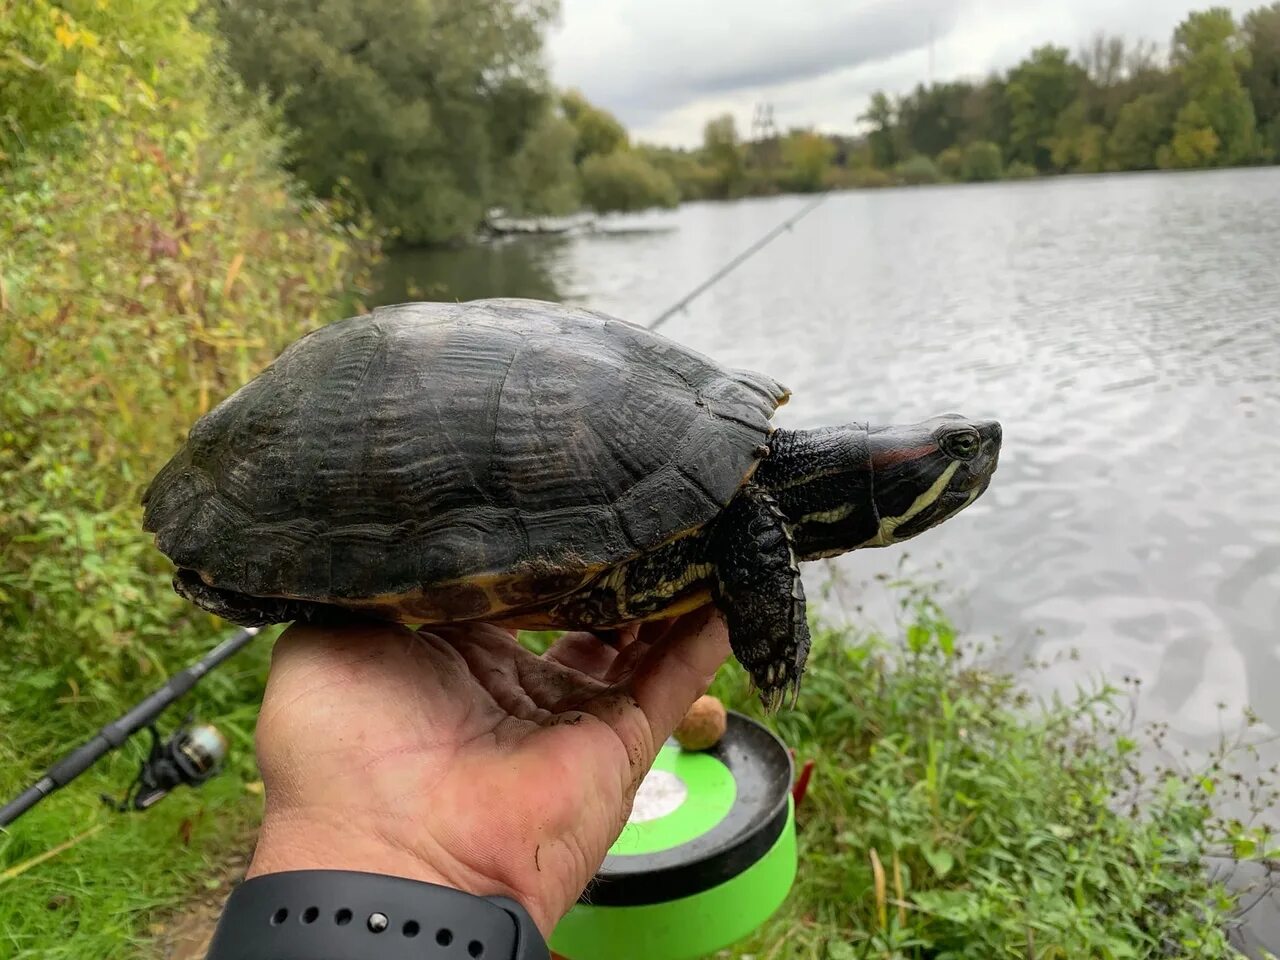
{"x": 882, "y": 457}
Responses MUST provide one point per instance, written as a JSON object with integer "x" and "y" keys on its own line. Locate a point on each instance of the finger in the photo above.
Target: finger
{"x": 598, "y": 653}
{"x": 583, "y": 652}
{"x": 678, "y": 670}
{"x": 624, "y": 636}
{"x": 644, "y": 704}
{"x": 522, "y": 683}
{"x": 624, "y": 664}
{"x": 653, "y": 631}
{"x": 648, "y": 635}
{"x": 618, "y": 637}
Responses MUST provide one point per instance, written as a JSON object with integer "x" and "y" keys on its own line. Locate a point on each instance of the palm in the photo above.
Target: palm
{"x": 459, "y": 757}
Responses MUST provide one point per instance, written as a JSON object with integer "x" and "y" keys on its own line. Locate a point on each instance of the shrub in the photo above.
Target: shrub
{"x": 981, "y": 161}
{"x": 869, "y": 178}
{"x": 951, "y": 163}
{"x": 694, "y": 180}
{"x": 69, "y": 64}
{"x": 144, "y": 278}
{"x": 807, "y": 157}
{"x": 917, "y": 170}
{"x": 624, "y": 181}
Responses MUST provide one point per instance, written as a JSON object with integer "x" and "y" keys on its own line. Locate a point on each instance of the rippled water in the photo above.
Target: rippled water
{"x": 1125, "y": 329}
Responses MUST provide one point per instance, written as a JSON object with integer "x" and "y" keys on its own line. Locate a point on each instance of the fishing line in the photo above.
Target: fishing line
{"x": 746, "y": 254}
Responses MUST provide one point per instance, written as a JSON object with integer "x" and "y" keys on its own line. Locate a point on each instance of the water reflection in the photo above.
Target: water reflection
{"x": 524, "y": 267}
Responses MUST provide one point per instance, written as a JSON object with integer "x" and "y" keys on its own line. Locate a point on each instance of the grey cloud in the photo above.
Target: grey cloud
{"x": 858, "y": 37}
{"x": 664, "y": 66}
{"x": 653, "y": 63}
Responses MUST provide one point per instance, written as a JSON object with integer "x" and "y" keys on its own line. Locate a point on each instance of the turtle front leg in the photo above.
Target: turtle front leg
{"x": 757, "y": 586}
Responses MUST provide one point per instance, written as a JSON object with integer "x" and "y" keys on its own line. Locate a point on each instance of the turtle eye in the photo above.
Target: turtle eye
{"x": 962, "y": 445}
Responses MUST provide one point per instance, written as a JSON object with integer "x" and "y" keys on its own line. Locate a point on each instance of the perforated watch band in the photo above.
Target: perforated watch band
{"x": 345, "y": 915}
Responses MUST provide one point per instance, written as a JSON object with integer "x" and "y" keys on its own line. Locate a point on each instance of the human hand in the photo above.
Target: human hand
{"x": 453, "y": 755}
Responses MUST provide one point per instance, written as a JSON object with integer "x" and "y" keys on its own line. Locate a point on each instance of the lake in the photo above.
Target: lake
{"x": 1126, "y": 331}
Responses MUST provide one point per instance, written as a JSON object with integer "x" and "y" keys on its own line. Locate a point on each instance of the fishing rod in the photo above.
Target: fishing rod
{"x": 745, "y": 255}
{"x": 193, "y": 754}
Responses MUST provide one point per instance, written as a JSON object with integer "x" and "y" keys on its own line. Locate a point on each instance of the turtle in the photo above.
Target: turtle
{"x": 540, "y": 466}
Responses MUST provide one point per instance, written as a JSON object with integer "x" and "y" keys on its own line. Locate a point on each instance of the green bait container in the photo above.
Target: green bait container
{"x": 708, "y": 855}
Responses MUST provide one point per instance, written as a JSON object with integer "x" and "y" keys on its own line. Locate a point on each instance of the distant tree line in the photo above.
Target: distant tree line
{"x": 1213, "y": 101}
{"x": 430, "y": 112}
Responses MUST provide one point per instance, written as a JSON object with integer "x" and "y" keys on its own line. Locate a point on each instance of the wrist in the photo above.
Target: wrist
{"x": 315, "y": 841}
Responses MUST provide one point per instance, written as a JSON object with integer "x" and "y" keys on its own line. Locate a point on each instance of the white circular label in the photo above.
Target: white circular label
{"x": 661, "y": 792}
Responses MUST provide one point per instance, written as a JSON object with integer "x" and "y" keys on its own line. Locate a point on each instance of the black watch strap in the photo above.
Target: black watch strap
{"x": 345, "y": 915}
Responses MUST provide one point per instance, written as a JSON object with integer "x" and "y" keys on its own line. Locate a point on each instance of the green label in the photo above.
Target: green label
{"x": 684, "y": 796}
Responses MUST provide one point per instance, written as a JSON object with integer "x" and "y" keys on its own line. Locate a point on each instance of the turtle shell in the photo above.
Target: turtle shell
{"x": 451, "y": 460}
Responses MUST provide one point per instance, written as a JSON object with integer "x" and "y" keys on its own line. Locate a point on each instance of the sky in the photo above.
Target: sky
{"x": 665, "y": 66}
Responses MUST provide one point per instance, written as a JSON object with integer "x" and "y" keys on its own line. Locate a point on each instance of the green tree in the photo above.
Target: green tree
{"x": 982, "y": 161}
{"x": 418, "y": 105}
{"x": 1144, "y": 124}
{"x": 807, "y": 156}
{"x": 542, "y": 178}
{"x": 933, "y": 118}
{"x": 1195, "y": 143}
{"x": 623, "y": 181}
{"x": 883, "y": 137}
{"x": 1077, "y": 144}
{"x": 1040, "y": 89}
{"x": 723, "y": 154}
{"x": 1209, "y": 55}
{"x": 1104, "y": 61}
{"x": 986, "y": 112}
{"x": 599, "y": 131}
{"x": 1262, "y": 76}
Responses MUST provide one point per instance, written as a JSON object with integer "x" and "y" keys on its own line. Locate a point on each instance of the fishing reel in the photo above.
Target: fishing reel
{"x": 193, "y": 754}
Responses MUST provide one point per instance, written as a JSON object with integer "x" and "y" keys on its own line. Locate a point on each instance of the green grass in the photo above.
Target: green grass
{"x": 950, "y": 817}
{"x": 1002, "y": 828}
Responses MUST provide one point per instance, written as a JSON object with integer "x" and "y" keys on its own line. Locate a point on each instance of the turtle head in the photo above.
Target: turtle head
{"x": 855, "y": 486}
{"x": 924, "y": 473}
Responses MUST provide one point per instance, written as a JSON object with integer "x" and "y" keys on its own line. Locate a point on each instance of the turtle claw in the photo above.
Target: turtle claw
{"x": 777, "y": 683}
